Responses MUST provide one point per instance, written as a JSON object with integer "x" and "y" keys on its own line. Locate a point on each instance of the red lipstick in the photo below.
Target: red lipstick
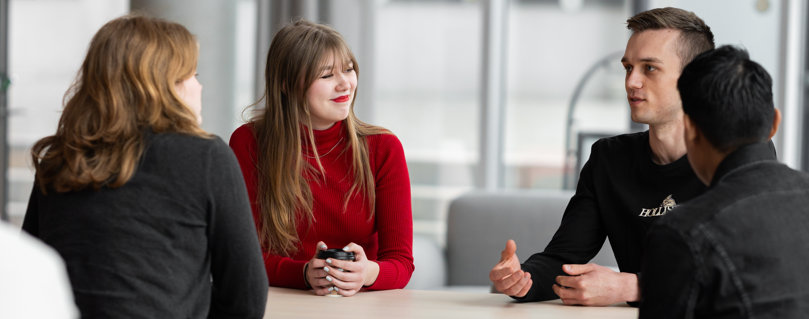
{"x": 341, "y": 99}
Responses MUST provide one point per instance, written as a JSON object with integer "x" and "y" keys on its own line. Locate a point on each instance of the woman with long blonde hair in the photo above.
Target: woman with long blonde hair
{"x": 318, "y": 177}
{"x": 148, "y": 210}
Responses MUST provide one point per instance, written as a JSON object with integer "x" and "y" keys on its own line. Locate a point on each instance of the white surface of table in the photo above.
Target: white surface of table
{"x": 403, "y": 303}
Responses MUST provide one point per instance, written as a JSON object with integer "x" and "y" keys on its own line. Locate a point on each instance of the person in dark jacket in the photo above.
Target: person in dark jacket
{"x": 628, "y": 182}
{"x": 149, "y": 212}
{"x": 741, "y": 249}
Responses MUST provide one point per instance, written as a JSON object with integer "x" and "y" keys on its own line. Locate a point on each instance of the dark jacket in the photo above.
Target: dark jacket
{"x": 741, "y": 250}
{"x": 176, "y": 241}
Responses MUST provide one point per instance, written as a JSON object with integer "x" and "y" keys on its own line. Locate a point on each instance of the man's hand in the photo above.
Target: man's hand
{"x": 595, "y": 285}
{"x": 507, "y": 275}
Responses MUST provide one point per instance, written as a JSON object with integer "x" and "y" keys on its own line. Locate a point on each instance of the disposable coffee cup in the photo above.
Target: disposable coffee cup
{"x": 338, "y": 254}
{"x": 334, "y": 253}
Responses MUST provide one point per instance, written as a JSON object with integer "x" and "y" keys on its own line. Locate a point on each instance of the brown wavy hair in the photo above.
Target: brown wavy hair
{"x": 125, "y": 86}
{"x": 294, "y": 60}
{"x": 695, "y": 36}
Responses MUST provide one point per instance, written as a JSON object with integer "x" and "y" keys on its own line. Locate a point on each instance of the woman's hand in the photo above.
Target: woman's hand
{"x": 348, "y": 277}
{"x": 315, "y": 275}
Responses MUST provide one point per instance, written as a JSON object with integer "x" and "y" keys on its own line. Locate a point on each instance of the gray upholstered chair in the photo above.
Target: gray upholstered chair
{"x": 480, "y": 222}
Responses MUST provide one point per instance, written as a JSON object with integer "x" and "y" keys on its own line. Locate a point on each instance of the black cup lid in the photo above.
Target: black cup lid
{"x": 338, "y": 254}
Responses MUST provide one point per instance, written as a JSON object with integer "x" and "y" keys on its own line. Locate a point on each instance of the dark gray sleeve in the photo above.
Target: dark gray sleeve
{"x": 669, "y": 284}
{"x": 239, "y": 279}
{"x": 30, "y": 223}
{"x": 578, "y": 239}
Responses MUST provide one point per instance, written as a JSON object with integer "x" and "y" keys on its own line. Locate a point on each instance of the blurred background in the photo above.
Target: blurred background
{"x": 490, "y": 95}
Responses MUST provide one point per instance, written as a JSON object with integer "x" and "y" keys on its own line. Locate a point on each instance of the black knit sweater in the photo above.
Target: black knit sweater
{"x": 176, "y": 241}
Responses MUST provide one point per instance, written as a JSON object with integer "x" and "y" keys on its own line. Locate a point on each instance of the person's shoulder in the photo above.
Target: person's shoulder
{"x": 36, "y": 273}
{"x": 25, "y": 248}
{"x": 624, "y": 141}
{"x": 245, "y": 132}
{"x": 384, "y": 138}
{"x": 179, "y": 145}
{"x": 385, "y": 147}
{"x": 780, "y": 171}
{"x": 243, "y": 141}
{"x": 384, "y": 143}
{"x": 622, "y": 146}
{"x": 181, "y": 141}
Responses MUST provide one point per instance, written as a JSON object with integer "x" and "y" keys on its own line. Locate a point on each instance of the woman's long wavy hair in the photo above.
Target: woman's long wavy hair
{"x": 294, "y": 61}
{"x": 125, "y": 86}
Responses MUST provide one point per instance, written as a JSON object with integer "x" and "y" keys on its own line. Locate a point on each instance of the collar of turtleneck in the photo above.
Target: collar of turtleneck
{"x": 326, "y": 140}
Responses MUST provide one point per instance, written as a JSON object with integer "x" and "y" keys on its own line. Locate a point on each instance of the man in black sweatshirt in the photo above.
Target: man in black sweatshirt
{"x": 628, "y": 182}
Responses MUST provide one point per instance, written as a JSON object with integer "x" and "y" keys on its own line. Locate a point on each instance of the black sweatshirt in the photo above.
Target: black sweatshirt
{"x": 621, "y": 192}
{"x": 176, "y": 241}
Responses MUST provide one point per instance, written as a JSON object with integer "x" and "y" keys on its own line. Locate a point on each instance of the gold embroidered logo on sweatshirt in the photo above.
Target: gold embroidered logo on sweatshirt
{"x": 667, "y": 205}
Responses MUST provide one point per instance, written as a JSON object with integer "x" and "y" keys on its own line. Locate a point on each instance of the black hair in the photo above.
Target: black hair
{"x": 728, "y": 97}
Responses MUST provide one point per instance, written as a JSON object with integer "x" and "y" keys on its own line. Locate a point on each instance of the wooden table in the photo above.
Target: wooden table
{"x": 401, "y": 303}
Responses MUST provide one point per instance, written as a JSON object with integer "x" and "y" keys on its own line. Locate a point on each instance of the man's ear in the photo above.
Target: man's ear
{"x": 690, "y": 131}
{"x": 776, "y": 120}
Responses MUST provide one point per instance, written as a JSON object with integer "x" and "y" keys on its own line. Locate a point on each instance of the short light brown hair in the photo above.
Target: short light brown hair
{"x": 695, "y": 36}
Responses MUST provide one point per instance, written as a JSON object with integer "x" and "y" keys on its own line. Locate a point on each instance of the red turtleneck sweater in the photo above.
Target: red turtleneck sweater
{"x": 387, "y": 238}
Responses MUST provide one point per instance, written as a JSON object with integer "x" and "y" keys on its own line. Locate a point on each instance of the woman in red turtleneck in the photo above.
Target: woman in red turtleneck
{"x": 318, "y": 177}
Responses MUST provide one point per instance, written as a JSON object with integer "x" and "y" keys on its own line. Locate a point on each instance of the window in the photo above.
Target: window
{"x": 551, "y": 51}
{"x": 427, "y": 80}
{"x": 47, "y": 43}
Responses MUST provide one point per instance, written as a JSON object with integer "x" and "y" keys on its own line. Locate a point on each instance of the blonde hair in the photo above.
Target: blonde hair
{"x": 293, "y": 63}
{"x": 125, "y": 86}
